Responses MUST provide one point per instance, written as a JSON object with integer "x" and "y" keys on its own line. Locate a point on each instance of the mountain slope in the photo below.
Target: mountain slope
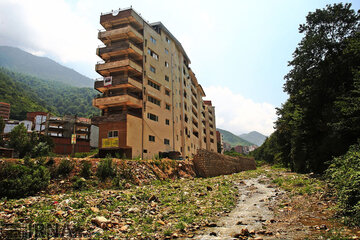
{"x": 254, "y": 137}
{"x": 21, "y": 101}
{"x": 27, "y": 93}
{"x": 41, "y": 67}
{"x": 232, "y": 139}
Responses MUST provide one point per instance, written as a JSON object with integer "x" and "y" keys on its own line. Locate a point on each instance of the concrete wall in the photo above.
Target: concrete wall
{"x": 210, "y": 164}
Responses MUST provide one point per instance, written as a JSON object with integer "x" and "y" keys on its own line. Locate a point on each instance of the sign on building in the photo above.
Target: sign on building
{"x": 107, "y": 81}
{"x": 73, "y": 138}
{"x": 110, "y": 142}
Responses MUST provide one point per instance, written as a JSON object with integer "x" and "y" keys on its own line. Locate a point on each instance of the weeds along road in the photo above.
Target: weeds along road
{"x": 267, "y": 203}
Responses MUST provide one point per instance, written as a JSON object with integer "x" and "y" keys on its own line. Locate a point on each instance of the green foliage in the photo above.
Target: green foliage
{"x": 106, "y": 169}
{"x": 23, "y": 91}
{"x": 85, "y": 170}
{"x": 41, "y": 67}
{"x": 18, "y": 180}
{"x": 65, "y": 167}
{"x": 78, "y": 183}
{"x": 321, "y": 117}
{"x": 20, "y": 140}
{"x": 34, "y": 144}
{"x": 344, "y": 174}
{"x": 86, "y": 154}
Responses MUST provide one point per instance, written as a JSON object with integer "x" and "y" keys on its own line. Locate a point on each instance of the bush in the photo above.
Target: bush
{"x": 344, "y": 174}
{"x": 106, "y": 169}
{"x": 85, "y": 170}
{"x": 79, "y": 183}
{"x": 17, "y": 180}
{"x": 65, "y": 167}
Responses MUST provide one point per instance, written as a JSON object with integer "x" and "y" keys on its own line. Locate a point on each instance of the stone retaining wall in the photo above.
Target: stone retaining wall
{"x": 210, "y": 164}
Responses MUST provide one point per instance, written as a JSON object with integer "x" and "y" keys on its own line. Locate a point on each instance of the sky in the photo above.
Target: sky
{"x": 238, "y": 49}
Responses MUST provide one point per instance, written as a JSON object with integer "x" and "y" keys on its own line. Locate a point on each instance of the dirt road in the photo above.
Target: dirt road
{"x": 251, "y": 215}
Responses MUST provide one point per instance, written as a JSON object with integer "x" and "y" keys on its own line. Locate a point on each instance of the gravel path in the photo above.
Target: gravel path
{"x": 251, "y": 214}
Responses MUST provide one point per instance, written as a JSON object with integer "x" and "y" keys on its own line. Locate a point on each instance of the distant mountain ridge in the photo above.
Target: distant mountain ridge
{"x": 254, "y": 137}
{"x": 232, "y": 139}
{"x": 27, "y": 93}
{"x": 20, "y": 61}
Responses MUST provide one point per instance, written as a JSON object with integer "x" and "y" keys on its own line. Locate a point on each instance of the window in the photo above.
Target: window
{"x": 154, "y": 85}
{"x": 166, "y": 78}
{"x": 167, "y": 121}
{"x": 153, "y": 40}
{"x": 166, "y": 141}
{"x": 151, "y": 138}
{"x": 153, "y": 54}
{"x": 166, "y": 51}
{"x": 167, "y": 39}
{"x": 167, "y": 106}
{"x": 113, "y": 133}
{"x": 152, "y": 69}
{"x": 154, "y": 100}
{"x": 167, "y": 92}
{"x": 153, "y": 117}
{"x": 166, "y": 64}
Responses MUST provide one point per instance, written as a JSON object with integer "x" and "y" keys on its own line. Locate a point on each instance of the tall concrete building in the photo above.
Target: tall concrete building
{"x": 150, "y": 98}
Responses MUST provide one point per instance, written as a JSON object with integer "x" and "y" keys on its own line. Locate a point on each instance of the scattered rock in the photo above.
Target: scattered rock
{"x": 212, "y": 225}
{"x": 95, "y": 209}
{"x": 124, "y": 228}
{"x": 213, "y": 234}
{"x": 153, "y": 198}
{"x": 133, "y": 210}
{"x": 100, "y": 221}
{"x": 209, "y": 188}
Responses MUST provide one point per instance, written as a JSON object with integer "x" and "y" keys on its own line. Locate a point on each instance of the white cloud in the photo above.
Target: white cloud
{"x": 238, "y": 114}
{"x": 52, "y": 28}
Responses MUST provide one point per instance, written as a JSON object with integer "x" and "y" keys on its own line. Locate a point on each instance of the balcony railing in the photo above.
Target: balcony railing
{"x": 118, "y": 83}
{"x": 127, "y": 32}
{"x": 118, "y": 66}
{"x": 117, "y": 100}
{"x": 125, "y": 47}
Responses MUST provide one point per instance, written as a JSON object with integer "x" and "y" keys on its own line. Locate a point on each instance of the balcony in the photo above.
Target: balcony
{"x": 119, "y": 49}
{"x": 116, "y": 66}
{"x": 127, "y": 32}
{"x": 125, "y": 16}
{"x": 129, "y": 82}
{"x": 119, "y": 100}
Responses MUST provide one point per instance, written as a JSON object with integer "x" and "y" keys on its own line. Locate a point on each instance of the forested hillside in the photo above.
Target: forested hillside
{"x": 23, "y": 62}
{"x": 232, "y": 139}
{"x": 321, "y": 118}
{"x": 27, "y": 93}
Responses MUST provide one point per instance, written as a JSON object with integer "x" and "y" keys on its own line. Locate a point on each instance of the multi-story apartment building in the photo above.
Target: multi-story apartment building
{"x": 5, "y": 110}
{"x": 150, "y": 98}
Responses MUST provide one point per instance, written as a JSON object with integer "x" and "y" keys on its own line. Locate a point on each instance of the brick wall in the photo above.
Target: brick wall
{"x": 211, "y": 164}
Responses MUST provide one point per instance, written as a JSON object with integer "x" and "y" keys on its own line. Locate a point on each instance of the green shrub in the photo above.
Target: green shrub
{"x": 79, "y": 183}
{"x": 17, "y": 180}
{"x": 106, "y": 169}
{"x": 41, "y": 149}
{"x": 85, "y": 170}
{"x": 65, "y": 167}
{"x": 344, "y": 174}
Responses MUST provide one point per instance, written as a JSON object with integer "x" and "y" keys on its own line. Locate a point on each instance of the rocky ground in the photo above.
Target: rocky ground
{"x": 266, "y": 203}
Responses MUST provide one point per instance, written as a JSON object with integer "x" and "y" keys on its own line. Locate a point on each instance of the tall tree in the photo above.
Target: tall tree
{"x": 323, "y": 91}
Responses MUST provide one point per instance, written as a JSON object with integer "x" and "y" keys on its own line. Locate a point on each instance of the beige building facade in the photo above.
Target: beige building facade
{"x": 150, "y": 98}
